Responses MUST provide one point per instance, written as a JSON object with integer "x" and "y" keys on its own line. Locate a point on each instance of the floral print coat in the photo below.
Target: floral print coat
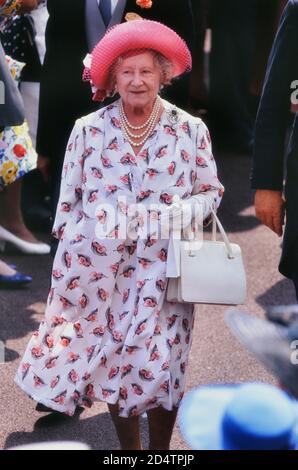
{"x": 108, "y": 333}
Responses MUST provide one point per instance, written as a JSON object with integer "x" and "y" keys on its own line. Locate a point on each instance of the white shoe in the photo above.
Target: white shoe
{"x": 24, "y": 246}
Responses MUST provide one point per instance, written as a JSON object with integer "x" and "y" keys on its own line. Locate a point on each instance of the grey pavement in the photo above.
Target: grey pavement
{"x": 216, "y": 357}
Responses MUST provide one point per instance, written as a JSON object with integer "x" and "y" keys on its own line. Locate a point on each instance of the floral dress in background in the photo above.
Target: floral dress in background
{"x": 17, "y": 155}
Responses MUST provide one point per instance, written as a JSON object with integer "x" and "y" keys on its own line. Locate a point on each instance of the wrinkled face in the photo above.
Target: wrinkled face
{"x": 138, "y": 80}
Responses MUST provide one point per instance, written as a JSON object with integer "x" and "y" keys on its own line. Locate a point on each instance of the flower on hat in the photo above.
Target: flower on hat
{"x": 144, "y": 3}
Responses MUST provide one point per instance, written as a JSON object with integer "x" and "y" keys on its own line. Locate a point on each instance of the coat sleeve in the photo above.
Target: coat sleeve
{"x": 12, "y": 111}
{"x": 71, "y": 191}
{"x": 273, "y": 113}
{"x": 207, "y": 189}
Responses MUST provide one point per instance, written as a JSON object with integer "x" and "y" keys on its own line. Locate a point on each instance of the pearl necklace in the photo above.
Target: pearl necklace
{"x": 142, "y": 126}
{"x": 150, "y": 123}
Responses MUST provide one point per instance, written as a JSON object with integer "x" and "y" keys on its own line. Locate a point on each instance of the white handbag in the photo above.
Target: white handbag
{"x": 211, "y": 271}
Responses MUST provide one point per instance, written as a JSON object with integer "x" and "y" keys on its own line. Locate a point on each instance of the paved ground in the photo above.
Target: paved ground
{"x": 215, "y": 356}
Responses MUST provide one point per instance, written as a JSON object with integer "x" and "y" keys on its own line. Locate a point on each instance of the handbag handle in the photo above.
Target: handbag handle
{"x": 216, "y": 223}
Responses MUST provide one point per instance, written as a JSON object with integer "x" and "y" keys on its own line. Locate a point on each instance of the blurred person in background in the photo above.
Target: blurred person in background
{"x": 268, "y": 17}
{"x": 17, "y": 158}
{"x": 242, "y": 36}
{"x": 198, "y": 94}
{"x": 24, "y": 41}
{"x": 270, "y": 151}
{"x": 248, "y": 416}
{"x": 272, "y": 341}
{"x": 11, "y": 113}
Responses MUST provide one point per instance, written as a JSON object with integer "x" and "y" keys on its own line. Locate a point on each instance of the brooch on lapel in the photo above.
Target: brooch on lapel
{"x": 144, "y": 3}
{"x": 172, "y": 116}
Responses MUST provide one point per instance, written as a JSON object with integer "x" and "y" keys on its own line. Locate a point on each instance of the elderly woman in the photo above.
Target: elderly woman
{"x": 109, "y": 334}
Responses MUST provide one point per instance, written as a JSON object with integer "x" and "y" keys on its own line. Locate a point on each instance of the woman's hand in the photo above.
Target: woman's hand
{"x": 178, "y": 215}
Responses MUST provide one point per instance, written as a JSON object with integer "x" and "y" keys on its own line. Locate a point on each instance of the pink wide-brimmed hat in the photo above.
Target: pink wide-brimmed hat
{"x": 134, "y": 35}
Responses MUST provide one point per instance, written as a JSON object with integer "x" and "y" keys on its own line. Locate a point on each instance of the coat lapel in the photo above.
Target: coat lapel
{"x": 118, "y": 13}
{"x": 95, "y": 27}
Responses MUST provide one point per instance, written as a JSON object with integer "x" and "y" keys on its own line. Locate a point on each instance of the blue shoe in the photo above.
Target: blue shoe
{"x": 15, "y": 281}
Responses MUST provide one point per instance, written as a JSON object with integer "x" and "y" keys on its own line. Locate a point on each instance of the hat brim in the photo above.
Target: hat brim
{"x": 201, "y": 415}
{"x": 136, "y": 35}
{"x": 269, "y": 343}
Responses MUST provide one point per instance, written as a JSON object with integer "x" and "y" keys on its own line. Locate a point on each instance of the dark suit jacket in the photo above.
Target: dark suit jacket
{"x": 64, "y": 96}
{"x": 270, "y": 133}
